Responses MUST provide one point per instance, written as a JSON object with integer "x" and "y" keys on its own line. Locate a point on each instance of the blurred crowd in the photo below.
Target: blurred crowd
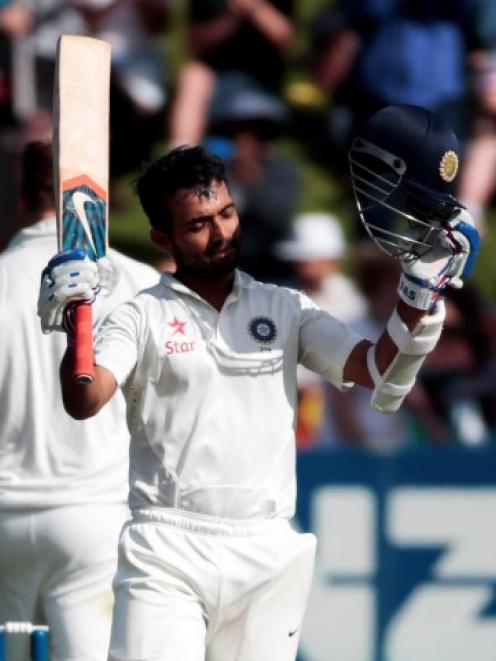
{"x": 234, "y": 89}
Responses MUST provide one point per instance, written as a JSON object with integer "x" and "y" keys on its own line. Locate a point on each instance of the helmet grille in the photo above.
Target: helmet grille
{"x": 403, "y": 218}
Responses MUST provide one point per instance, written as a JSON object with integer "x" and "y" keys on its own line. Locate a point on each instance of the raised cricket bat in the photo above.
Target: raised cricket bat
{"x": 81, "y": 165}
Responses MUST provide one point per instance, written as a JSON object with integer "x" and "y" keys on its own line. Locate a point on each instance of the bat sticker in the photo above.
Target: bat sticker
{"x": 84, "y": 217}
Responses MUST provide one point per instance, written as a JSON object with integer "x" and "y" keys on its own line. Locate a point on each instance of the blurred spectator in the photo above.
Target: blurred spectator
{"x": 264, "y": 184}
{"x": 33, "y": 55}
{"x": 316, "y": 250}
{"x": 15, "y": 23}
{"x": 356, "y": 423}
{"x": 476, "y": 183}
{"x": 478, "y": 174}
{"x": 455, "y": 397}
{"x": 136, "y": 31}
{"x": 235, "y": 45}
{"x": 372, "y": 53}
{"x": 30, "y": 30}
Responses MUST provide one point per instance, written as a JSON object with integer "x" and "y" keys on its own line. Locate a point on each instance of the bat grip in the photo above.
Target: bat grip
{"x": 84, "y": 369}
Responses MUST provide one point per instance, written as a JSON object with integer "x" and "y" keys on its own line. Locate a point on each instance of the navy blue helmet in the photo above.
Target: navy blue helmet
{"x": 403, "y": 164}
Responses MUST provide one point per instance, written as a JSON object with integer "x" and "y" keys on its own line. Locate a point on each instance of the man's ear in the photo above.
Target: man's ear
{"x": 160, "y": 239}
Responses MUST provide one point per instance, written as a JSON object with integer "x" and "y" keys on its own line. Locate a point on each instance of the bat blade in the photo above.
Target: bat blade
{"x": 81, "y": 162}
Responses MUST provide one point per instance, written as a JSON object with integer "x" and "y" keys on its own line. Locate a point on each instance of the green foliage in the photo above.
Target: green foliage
{"x": 129, "y": 227}
{"x": 484, "y": 274}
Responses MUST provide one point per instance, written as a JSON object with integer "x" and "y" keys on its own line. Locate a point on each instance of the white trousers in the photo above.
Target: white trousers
{"x": 192, "y": 588}
{"x": 56, "y": 567}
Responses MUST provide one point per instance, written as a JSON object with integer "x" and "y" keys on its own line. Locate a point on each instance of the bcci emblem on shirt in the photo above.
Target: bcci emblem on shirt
{"x": 262, "y": 329}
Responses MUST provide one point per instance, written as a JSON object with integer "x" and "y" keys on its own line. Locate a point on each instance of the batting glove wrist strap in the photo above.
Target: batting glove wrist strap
{"x": 419, "y": 294}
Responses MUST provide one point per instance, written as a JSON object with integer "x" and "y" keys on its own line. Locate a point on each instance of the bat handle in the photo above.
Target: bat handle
{"x": 84, "y": 369}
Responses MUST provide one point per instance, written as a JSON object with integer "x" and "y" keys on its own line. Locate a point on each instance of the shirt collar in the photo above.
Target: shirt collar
{"x": 241, "y": 281}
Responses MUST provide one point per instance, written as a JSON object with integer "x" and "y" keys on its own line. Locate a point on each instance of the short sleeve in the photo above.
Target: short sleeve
{"x": 116, "y": 343}
{"x": 325, "y": 343}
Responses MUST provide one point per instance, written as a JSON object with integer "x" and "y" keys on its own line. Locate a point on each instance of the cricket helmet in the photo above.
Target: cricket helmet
{"x": 403, "y": 162}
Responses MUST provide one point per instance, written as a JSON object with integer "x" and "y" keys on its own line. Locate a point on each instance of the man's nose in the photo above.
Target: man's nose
{"x": 219, "y": 229}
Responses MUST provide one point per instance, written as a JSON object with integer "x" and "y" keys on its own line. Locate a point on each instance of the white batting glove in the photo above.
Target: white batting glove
{"x": 69, "y": 277}
{"x": 109, "y": 273}
{"x": 451, "y": 258}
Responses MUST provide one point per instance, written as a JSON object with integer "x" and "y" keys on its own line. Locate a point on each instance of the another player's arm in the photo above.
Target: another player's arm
{"x": 203, "y": 36}
{"x": 268, "y": 18}
{"x": 84, "y": 400}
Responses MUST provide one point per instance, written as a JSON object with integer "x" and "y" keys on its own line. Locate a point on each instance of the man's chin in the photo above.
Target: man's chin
{"x": 218, "y": 268}
{"x": 214, "y": 268}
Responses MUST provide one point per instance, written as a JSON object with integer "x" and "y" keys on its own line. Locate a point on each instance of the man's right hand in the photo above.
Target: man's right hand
{"x": 69, "y": 277}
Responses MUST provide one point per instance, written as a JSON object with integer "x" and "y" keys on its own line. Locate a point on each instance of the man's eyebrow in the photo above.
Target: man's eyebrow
{"x": 198, "y": 219}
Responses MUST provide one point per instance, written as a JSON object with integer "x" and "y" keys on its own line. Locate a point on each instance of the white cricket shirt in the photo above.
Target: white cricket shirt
{"x": 211, "y": 395}
{"x": 46, "y": 457}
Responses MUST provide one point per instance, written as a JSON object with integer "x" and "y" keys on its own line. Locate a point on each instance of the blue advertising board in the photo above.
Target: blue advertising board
{"x": 406, "y": 556}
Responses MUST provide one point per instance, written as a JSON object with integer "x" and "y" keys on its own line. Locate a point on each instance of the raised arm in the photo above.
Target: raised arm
{"x": 274, "y": 24}
{"x": 204, "y": 36}
{"x": 391, "y": 365}
{"x": 71, "y": 277}
{"x": 403, "y": 163}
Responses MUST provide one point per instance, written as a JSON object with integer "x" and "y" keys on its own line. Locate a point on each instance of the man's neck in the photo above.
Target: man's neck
{"x": 213, "y": 291}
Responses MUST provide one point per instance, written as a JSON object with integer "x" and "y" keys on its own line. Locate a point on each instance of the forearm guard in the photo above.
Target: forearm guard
{"x": 395, "y": 383}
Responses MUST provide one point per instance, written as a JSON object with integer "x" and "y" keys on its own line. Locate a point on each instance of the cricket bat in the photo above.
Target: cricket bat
{"x": 81, "y": 166}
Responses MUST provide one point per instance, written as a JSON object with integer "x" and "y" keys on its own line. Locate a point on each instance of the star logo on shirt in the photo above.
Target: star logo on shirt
{"x": 178, "y": 326}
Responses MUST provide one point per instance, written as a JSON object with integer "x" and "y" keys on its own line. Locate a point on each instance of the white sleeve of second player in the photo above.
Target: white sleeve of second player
{"x": 325, "y": 343}
{"x": 116, "y": 344}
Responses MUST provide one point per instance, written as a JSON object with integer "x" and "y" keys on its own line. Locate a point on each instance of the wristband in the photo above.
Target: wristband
{"x": 418, "y": 293}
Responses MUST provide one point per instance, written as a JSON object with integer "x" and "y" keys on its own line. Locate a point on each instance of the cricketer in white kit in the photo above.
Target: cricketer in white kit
{"x": 209, "y": 566}
{"x": 63, "y": 483}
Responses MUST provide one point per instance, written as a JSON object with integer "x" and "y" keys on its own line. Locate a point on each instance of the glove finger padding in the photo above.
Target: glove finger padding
{"x": 68, "y": 277}
{"x": 466, "y": 235}
{"x": 451, "y": 258}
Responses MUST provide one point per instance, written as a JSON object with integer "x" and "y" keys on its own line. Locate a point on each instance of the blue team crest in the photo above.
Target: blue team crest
{"x": 262, "y": 329}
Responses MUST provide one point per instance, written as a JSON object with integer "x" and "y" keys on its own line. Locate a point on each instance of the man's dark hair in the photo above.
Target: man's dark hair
{"x": 36, "y": 177}
{"x": 184, "y": 167}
